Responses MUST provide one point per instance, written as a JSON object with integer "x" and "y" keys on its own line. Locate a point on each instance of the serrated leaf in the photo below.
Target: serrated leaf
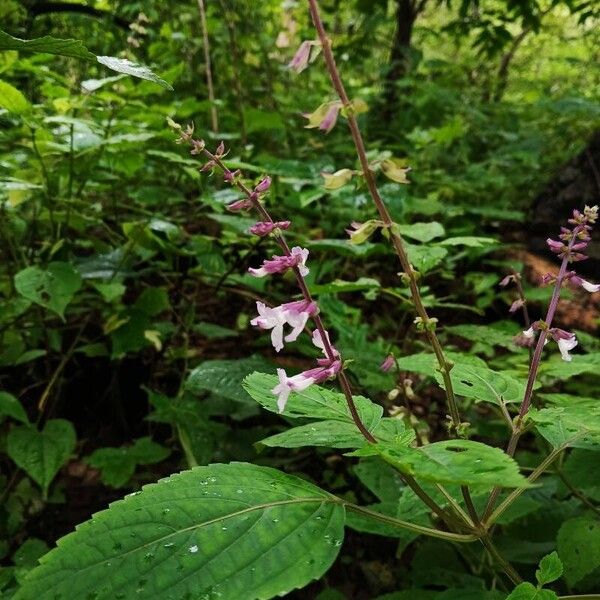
{"x": 578, "y": 546}
{"x": 528, "y": 591}
{"x": 123, "y": 65}
{"x": 12, "y": 99}
{"x": 315, "y": 402}
{"x": 463, "y": 462}
{"x": 47, "y": 45}
{"x": 52, "y": 288}
{"x": 422, "y": 232}
{"x": 235, "y": 531}
{"x": 424, "y": 258}
{"x": 484, "y": 385}
{"x": 117, "y": 465}
{"x": 551, "y": 568}
{"x": 11, "y": 407}
{"x": 569, "y": 421}
{"x": 225, "y": 377}
{"x": 42, "y": 453}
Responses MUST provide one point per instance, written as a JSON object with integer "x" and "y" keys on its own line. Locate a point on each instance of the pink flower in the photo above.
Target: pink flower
{"x": 556, "y": 247}
{"x": 229, "y": 176}
{"x": 263, "y": 228}
{"x": 330, "y": 119}
{"x": 302, "y": 56}
{"x": 295, "y": 314}
{"x": 586, "y": 285}
{"x": 317, "y": 341}
{"x": 279, "y": 264}
{"x": 300, "y": 382}
{"x": 263, "y": 185}
{"x": 516, "y": 305}
{"x": 239, "y": 205}
{"x": 387, "y": 364}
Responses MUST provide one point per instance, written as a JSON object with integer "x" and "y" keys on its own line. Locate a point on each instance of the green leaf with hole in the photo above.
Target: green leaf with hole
{"x": 52, "y": 287}
{"x": 578, "y": 546}
{"x": 234, "y": 531}
{"x": 315, "y": 402}
{"x": 569, "y": 421}
{"x": 42, "y": 453}
{"x": 12, "y": 99}
{"x": 484, "y": 385}
{"x": 463, "y": 462}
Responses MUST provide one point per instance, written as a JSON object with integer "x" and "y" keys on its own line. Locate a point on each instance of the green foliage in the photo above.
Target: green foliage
{"x": 238, "y": 530}
{"x": 578, "y": 546}
{"x": 42, "y": 453}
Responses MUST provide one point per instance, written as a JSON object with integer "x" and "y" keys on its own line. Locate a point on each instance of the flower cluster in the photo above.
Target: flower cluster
{"x": 573, "y": 240}
{"x": 293, "y": 314}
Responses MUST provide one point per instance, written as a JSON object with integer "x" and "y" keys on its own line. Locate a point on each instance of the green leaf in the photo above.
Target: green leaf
{"x": 52, "y": 288}
{"x": 47, "y": 45}
{"x": 42, "y": 453}
{"x": 234, "y": 531}
{"x": 11, "y": 407}
{"x": 463, "y": 462}
{"x": 315, "y": 402}
{"x": 225, "y": 377}
{"x": 118, "y": 464}
{"x": 528, "y": 591}
{"x": 123, "y": 65}
{"x": 424, "y": 258}
{"x": 483, "y": 384}
{"x": 12, "y": 99}
{"x": 569, "y": 421}
{"x": 422, "y": 232}
{"x": 337, "y": 434}
{"x": 469, "y": 241}
{"x": 551, "y": 568}
{"x": 578, "y": 546}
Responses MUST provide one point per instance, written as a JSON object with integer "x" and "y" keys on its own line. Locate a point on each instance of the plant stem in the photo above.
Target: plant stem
{"x": 208, "y": 68}
{"x": 510, "y": 571}
{"x": 444, "y": 364}
{"x": 535, "y": 474}
{"x": 443, "y": 535}
{"x": 343, "y": 380}
{"x": 533, "y": 370}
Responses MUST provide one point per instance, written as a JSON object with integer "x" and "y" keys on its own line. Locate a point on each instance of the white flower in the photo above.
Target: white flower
{"x": 271, "y": 318}
{"x": 286, "y": 384}
{"x": 529, "y": 333}
{"x": 590, "y": 287}
{"x": 564, "y": 345}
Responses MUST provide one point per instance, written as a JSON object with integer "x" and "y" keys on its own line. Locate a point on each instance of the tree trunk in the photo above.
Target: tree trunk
{"x": 406, "y": 13}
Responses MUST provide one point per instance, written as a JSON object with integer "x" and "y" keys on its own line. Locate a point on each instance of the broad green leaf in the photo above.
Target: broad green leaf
{"x": 569, "y": 421}
{"x": 469, "y": 241}
{"x": 76, "y": 49}
{"x": 426, "y": 364}
{"x": 42, "y": 453}
{"x": 484, "y": 385}
{"x": 27, "y": 557}
{"x": 551, "y": 568}
{"x": 315, "y": 402}
{"x": 463, "y": 462}
{"x": 578, "y": 546}
{"x": 338, "y": 434}
{"x": 528, "y": 591}
{"x": 47, "y": 45}
{"x": 123, "y": 65}
{"x": 225, "y": 377}
{"x": 234, "y": 531}
{"x": 117, "y": 465}
{"x": 52, "y": 288}
{"x": 422, "y": 232}
{"x": 424, "y": 258}
{"x": 12, "y": 99}
{"x": 11, "y": 407}
{"x": 557, "y": 368}
{"x": 338, "y": 286}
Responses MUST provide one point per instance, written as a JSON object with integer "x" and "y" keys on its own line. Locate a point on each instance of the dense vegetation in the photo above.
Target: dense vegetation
{"x": 438, "y": 448}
